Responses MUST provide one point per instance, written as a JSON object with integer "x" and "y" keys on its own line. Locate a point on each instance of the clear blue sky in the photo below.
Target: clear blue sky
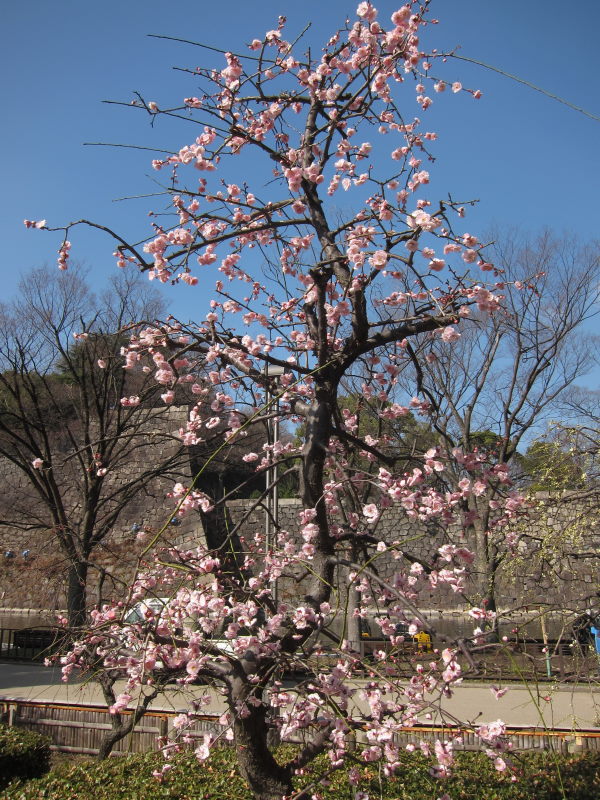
{"x": 531, "y": 161}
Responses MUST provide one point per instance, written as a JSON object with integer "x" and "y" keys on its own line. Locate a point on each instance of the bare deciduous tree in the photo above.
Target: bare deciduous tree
{"x": 83, "y": 453}
{"x": 504, "y": 379}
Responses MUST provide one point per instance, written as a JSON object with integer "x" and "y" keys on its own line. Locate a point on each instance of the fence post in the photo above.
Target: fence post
{"x": 164, "y": 727}
{"x": 546, "y": 647}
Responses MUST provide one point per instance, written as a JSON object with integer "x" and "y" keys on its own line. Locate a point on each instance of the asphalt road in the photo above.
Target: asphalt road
{"x": 576, "y": 707}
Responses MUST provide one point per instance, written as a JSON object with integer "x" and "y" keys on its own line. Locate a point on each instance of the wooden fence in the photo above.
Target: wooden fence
{"x": 79, "y": 729}
{"x": 562, "y": 741}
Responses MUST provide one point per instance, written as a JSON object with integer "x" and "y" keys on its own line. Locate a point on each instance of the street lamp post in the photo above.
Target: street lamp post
{"x": 273, "y": 373}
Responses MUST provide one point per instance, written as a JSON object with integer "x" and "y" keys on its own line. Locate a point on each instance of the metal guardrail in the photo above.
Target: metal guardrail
{"x": 28, "y": 644}
{"x": 514, "y": 660}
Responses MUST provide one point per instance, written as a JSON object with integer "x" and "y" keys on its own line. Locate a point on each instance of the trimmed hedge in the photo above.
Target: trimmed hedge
{"x": 23, "y": 754}
{"x": 539, "y": 777}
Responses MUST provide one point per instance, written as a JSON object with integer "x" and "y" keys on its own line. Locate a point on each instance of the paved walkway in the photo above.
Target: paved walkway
{"x": 543, "y": 706}
{"x": 36, "y": 683}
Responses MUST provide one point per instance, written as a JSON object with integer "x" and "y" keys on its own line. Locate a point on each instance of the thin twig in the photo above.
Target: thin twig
{"x": 526, "y": 83}
{"x": 130, "y": 146}
{"x": 203, "y": 46}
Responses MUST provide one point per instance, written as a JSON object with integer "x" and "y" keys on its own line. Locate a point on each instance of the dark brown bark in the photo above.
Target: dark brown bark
{"x": 76, "y": 594}
{"x": 486, "y": 567}
{"x": 267, "y": 779}
{"x": 122, "y": 725}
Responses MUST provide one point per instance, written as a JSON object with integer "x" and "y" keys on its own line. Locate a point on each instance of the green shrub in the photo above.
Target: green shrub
{"x": 539, "y": 777}
{"x": 23, "y": 754}
{"x": 533, "y": 776}
{"x": 130, "y": 778}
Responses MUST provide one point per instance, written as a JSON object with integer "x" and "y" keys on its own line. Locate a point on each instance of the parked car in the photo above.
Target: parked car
{"x": 157, "y": 606}
{"x": 139, "y": 612}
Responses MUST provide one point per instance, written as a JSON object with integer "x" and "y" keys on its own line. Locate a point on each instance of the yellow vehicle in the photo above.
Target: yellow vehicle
{"x": 423, "y": 641}
{"x": 370, "y": 642}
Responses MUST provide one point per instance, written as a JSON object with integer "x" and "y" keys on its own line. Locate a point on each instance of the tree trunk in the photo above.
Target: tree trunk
{"x": 217, "y": 523}
{"x": 121, "y": 726}
{"x": 486, "y": 567}
{"x": 109, "y": 740}
{"x": 76, "y": 594}
{"x": 266, "y": 778}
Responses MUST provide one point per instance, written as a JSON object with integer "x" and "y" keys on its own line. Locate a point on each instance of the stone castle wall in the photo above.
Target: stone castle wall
{"x": 554, "y": 562}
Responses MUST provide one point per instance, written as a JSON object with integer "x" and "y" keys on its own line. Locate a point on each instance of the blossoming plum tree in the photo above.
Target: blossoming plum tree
{"x": 332, "y": 258}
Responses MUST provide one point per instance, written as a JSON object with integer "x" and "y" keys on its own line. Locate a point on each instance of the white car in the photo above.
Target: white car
{"x": 139, "y": 612}
{"x": 157, "y": 605}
